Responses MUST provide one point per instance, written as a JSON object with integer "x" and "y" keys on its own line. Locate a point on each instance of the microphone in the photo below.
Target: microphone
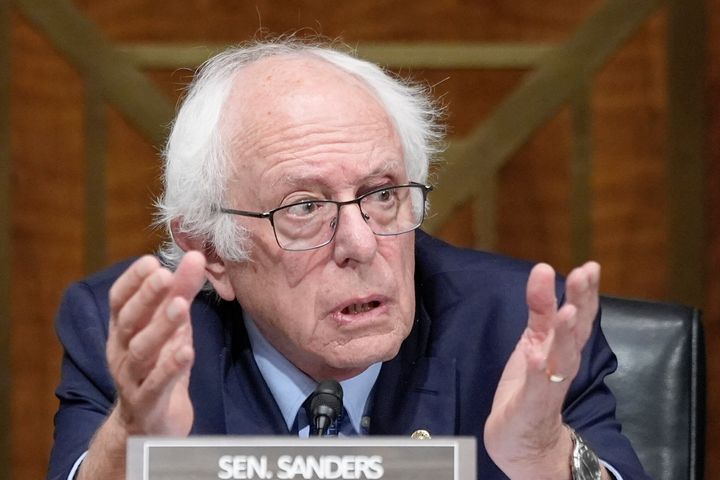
{"x": 325, "y": 405}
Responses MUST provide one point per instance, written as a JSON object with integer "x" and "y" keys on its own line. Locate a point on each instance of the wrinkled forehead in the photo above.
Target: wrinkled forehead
{"x": 296, "y": 106}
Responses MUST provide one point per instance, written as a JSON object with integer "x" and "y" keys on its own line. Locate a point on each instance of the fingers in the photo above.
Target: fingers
{"x": 541, "y": 300}
{"x": 140, "y": 308}
{"x": 160, "y": 404}
{"x": 150, "y": 305}
{"x": 562, "y": 357}
{"x": 130, "y": 281}
{"x": 190, "y": 275}
{"x": 558, "y": 336}
{"x": 176, "y": 359}
{"x": 145, "y": 287}
{"x": 145, "y": 347}
{"x": 582, "y": 291}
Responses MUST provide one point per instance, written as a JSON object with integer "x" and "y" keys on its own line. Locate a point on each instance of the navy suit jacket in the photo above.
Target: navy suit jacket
{"x": 470, "y": 313}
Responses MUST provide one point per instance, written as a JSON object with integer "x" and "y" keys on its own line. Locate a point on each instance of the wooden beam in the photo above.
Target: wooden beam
{"x": 169, "y": 56}
{"x": 472, "y": 56}
{"x": 563, "y": 71}
{"x": 431, "y": 55}
{"x": 121, "y": 83}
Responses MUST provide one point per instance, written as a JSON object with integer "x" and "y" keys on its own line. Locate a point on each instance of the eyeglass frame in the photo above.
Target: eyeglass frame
{"x": 425, "y": 189}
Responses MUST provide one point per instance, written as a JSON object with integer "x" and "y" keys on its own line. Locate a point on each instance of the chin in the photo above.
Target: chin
{"x": 359, "y": 354}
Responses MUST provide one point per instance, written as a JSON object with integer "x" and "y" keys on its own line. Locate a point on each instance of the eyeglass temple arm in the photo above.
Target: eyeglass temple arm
{"x": 245, "y": 213}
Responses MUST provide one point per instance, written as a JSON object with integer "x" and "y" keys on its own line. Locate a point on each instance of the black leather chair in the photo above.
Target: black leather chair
{"x": 659, "y": 383}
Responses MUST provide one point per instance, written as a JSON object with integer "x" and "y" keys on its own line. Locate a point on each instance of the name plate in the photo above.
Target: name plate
{"x": 282, "y": 458}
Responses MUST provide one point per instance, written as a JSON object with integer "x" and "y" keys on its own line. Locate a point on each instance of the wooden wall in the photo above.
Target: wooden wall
{"x": 629, "y": 170}
{"x": 712, "y": 250}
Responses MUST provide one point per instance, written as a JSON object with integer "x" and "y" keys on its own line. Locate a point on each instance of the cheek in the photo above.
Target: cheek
{"x": 303, "y": 272}
{"x": 293, "y": 287}
{"x": 278, "y": 290}
{"x": 401, "y": 261}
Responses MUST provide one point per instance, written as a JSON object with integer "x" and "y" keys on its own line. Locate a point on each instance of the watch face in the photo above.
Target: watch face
{"x": 589, "y": 463}
{"x": 586, "y": 465}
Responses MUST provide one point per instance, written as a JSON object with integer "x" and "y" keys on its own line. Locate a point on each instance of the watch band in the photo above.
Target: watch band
{"x": 584, "y": 463}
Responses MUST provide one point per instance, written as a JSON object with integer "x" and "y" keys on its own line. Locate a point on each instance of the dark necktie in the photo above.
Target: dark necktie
{"x": 341, "y": 424}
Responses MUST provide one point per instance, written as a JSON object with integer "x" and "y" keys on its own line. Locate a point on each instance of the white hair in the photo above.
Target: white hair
{"x": 196, "y": 169}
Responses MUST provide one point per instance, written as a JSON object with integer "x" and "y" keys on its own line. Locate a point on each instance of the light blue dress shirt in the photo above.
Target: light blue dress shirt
{"x": 290, "y": 387}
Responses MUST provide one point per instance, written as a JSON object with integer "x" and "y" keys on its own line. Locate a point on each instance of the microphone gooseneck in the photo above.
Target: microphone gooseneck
{"x": 326, "y": 403}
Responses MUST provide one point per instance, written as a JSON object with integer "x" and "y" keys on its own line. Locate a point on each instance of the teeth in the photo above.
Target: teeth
{"x": 356, "y": 308}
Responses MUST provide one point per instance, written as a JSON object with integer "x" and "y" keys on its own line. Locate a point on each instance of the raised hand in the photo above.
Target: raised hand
{"x": 524, "y": 433}
{"x": 150, "y": 354}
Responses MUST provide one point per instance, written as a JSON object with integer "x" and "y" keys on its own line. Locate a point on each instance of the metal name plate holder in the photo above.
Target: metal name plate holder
{"x": 265, "y": 458}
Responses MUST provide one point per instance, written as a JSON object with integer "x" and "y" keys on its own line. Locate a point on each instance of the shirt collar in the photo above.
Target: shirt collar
{"x": 290, "y": 386}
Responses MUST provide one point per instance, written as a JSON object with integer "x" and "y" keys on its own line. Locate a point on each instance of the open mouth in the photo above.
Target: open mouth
{"x": 356, "y": 308}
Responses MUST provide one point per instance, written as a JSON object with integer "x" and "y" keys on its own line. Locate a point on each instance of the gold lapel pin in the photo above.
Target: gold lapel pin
{"x": 421, "y": 435}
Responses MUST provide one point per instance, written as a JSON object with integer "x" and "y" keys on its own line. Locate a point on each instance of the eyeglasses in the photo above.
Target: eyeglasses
{"x": 311, "y": 224}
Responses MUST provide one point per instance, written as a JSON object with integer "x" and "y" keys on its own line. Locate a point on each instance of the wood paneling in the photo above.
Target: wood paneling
{"x": 712, "y": 251}
{"x": 407, "y": 20}
{"x": 47, "y": 232}
{"x": 5, "y": 236}
{"x": 629, "y": 168}
{"x": 628, "y": 100}
{"x": 533, "y": 217}
{"x": 133, "y": 183}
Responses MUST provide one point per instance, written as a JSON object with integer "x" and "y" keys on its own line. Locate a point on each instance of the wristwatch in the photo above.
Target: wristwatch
{"x": 584, "y": 463}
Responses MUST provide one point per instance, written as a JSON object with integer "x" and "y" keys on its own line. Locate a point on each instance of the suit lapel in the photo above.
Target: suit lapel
{"x": 250, "y": 408}
{"x": 415, "y": 391}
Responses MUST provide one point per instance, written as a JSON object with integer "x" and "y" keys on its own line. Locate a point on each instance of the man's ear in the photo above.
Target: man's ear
{"x": 215, "y": 266}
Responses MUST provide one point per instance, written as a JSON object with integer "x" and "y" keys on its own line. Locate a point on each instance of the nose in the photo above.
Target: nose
{"x": 354, "y": 241}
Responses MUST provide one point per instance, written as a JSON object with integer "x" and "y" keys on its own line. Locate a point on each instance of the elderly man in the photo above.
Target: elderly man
{"x": 294, "y": 184}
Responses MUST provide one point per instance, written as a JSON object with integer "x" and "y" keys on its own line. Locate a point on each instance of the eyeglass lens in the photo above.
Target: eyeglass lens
{"x": 311, "y": 224}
